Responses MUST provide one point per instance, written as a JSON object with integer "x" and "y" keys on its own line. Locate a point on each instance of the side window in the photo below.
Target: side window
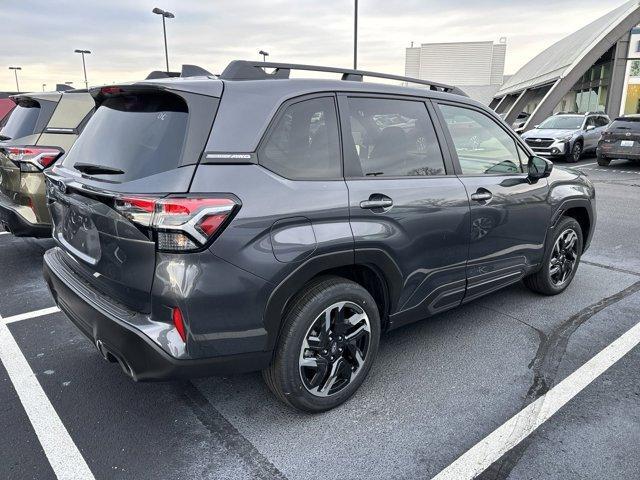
{"x": 394, "y": 138}
{"x": 602, "y": 122}
{"x": 483, "y": 147}
{"x": 304, "y": 144}
{"x": 591, "y": 122}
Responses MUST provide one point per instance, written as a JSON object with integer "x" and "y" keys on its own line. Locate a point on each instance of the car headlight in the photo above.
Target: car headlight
{"x": 564, "y": 139}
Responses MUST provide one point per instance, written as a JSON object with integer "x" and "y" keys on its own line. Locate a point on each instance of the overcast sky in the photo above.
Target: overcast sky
{"x": 126, "y": 38}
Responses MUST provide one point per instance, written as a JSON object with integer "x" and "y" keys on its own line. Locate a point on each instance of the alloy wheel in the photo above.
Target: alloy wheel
{"x": 564, "y": 257}
{"x": 577, "y": 152}
{"x": 334, "y": 349}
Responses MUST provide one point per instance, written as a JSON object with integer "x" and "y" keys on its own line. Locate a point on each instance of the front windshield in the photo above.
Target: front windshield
{"x": 563, "y": 122}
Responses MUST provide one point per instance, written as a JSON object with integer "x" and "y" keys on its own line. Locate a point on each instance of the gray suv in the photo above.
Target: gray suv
{"x": 254, "y": 222}
{"x": 567, "y": 135}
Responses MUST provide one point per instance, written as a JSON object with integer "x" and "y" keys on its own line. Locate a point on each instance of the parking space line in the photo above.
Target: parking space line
{"x": 479, "y": 457}
{"x": 63, "y": 455}
{"x": 4, "y": 233}
{"x": 34, "y": 314}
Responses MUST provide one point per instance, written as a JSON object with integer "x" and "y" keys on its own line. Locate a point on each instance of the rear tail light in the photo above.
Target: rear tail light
{"x": 180, "y": 224}
{"x": 33, "y": 159}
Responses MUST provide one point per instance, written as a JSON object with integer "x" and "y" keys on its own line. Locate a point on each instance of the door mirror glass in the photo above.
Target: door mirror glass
{"x": 539, "y": 168}
{"x": 590, "y": 127}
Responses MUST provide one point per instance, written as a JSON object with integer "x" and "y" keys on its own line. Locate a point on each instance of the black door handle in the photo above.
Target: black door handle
{"x": 376, "y": 201}
{"x": 482, "y": 195}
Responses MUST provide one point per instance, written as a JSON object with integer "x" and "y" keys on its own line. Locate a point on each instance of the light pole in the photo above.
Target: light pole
{"x": 165, "y": 14}
{"x": 264, "y": 55}
{"x": 84, "y": 67}
{"x": 355, "y": 36}
{"x": 15, "y": 71}
{"x": 43, "y": 85}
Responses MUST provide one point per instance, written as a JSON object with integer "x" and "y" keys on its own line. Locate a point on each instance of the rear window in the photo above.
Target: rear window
{"x": 22, "y": 121}
{"x": 134, "y": 135}
{"x": 632, "y": 124}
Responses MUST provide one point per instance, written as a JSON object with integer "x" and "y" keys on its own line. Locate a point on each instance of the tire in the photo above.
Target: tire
{"x": 576, "y": 152}
{"x": 603, "y": 161}
{"x": 292, "y": 382}
{"x": 546, "y": 280}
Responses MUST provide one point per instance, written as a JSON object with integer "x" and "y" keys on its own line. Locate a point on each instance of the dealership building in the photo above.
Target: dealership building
{"x": 596, "y": 68}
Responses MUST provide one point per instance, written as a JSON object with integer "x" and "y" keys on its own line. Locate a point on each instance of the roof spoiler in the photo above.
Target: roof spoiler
{"x": 187, "y": 71}
{"x": 61, "y": 87}
{"x": 246, "y": 70}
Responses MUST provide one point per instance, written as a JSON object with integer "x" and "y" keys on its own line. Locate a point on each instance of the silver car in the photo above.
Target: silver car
{"x": 567, "y": 135}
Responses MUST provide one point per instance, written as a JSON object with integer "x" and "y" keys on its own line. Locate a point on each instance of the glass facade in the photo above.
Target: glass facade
{"x": 631, "y": 94}
{"x": 591, "y": 92}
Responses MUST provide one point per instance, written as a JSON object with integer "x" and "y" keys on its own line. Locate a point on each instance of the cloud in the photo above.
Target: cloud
{"x": 126, "y": 38}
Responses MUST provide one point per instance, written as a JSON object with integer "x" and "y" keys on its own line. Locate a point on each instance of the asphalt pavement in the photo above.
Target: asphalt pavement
{"x": 439, "y": 387}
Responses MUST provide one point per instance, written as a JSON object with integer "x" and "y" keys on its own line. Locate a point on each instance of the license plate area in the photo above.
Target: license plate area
{"x": 626, "y": 143}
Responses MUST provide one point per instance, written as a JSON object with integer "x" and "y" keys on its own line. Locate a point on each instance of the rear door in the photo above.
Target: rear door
{"x": 138, "y": 144}
{"x": 593, "y": 129}
{"x": 509, "y": 215}
{"x": 405, "y": 202}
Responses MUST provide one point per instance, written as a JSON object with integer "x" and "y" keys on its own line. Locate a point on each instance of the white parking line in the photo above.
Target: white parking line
{"x": 4, "y": 233}
{"x": 34, "y": 314}
{"x": 63, "y": 455}
{"x": 477, "y": 459}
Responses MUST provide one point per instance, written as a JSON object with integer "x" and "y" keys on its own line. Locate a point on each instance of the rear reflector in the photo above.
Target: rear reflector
{"x": 178, "y": 322}
{"x": 181, "y": 224}
{"x": 33, "y": 159}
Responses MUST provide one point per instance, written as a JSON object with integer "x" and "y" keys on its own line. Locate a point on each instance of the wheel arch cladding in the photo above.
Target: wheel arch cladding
{"x": 581, "y": 215}
{"x": 372, "y": 279}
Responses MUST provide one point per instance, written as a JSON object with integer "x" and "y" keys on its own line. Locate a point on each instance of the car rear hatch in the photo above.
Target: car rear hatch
{"x": 140, "y": 147}
{"x": 623, "y": 136}
{"x": 18, "y": 137}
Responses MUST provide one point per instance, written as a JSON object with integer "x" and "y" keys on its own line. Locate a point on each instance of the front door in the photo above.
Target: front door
{"x": 407, "y": 207}
{"x": 509, "y": 215}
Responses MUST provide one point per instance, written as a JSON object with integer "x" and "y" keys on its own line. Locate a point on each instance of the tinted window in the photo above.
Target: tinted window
{"x": 140, "y": 135}
{"x": 591, "y": 122}
{"x": 483, "y": 147}
{"x": 632, "y": 124}
{"x": 304, "y": 143}
{"x": 22, "y": 121}
{"x": 602, "y": 122}
{"x": 394, "y": 138}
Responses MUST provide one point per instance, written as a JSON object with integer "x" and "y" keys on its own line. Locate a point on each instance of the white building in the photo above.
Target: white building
{"x": 476, "y": 67}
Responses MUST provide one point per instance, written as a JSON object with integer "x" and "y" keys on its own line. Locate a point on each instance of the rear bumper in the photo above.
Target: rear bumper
{"x": 14, "y": 222}
{"x": 615, "y": 153}
{"x": 118, "y": 340}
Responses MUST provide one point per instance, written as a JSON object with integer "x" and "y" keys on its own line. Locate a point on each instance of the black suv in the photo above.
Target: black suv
{"x": 255, "y": 222}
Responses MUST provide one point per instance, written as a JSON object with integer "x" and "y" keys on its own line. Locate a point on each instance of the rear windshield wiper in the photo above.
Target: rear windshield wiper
{"x": 4, "y": 137}
{"x": 93, "y": 169}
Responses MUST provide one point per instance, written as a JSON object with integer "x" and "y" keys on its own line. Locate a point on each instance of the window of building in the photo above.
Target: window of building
{"x": 483, "y": 147}
{"x": 394, "y": 138}
{"x": 304, "y": 144}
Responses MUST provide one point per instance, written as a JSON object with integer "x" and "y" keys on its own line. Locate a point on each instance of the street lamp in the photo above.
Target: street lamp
{"x": 43, "y": 86}
{"x": 264, "y": 55}
{"x": 165, "y": 14}
{"x": 355, "y": 36}
{"x": 15, "y": 71}
{"x": 84, "y": 66}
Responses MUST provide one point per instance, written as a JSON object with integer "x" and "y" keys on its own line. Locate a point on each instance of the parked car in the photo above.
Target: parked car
{"x": 41, "y": 128}
{"x": 256, "y": 222}
{"x": 567, "y": 135}
{"x": 620, "y": 140}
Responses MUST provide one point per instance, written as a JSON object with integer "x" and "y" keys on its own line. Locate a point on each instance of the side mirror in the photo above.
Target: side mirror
{"x": 590, "y": 127}
{"x": 539, "y": 168}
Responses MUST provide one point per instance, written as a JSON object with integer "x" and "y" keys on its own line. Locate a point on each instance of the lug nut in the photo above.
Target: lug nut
{"x": 324, "y": 352}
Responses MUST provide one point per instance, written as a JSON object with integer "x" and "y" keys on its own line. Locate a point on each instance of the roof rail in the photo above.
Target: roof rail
{"x": 246, "y": 70}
